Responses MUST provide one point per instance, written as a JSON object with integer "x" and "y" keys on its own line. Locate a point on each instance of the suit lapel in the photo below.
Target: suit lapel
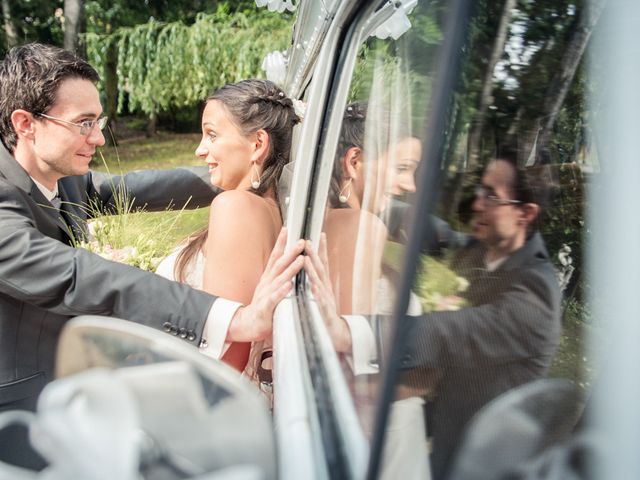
{"x": 17, "y": 176}
{"x": 72, "y": 213}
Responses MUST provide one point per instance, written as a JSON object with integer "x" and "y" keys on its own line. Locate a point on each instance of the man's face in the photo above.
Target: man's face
{"x": 59, "y": 148}
{"x": 499, "y": 226}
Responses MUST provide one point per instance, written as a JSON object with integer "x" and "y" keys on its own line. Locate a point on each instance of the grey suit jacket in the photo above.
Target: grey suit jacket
{"x": 506, "y": 337}
{"x": 44, "y": 281}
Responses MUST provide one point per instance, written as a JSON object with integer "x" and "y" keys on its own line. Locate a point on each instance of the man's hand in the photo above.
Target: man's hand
{"x": 254, "y": 322}
{"x": 317, "y": 267}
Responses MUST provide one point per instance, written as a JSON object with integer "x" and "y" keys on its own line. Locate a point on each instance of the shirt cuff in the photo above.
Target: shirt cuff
{"x": 363, "y": 359}
{"x": 216, "y": 327}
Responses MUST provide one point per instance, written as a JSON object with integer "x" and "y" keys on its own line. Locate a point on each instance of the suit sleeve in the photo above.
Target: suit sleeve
{"x": 154, "y": 190}
{"x": 44, "y": 272}
{"x": 523, "y": 322}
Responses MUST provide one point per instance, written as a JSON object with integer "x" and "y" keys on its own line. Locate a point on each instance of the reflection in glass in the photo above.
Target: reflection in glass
{"x": 501, "y": 270}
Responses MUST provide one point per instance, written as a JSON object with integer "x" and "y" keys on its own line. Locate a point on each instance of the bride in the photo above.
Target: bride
{"x": 246, "y": 141}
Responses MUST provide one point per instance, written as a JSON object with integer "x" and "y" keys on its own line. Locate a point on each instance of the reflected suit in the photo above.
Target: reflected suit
{"x": 507, "y": 337}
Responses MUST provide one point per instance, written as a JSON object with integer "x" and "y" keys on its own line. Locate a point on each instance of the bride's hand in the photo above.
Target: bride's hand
{"x": 254, "y": 322}
{"x": 317, "y": 267}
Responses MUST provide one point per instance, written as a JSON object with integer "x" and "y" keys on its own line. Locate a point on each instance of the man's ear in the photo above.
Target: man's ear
{"x": 23, "y": 123}
{"x": 261, "y": 143}
{"x": 530, "y": 212}
{"x": 352, "y": 162}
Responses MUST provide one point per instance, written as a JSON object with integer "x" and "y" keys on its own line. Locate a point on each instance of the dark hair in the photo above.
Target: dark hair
{"x": 535, "y": 184}
{"x": 30, "y": 76}
{"x": 351, "y": 135}
{"x": 260, "y": 104}
{"x": 253, "y": 105}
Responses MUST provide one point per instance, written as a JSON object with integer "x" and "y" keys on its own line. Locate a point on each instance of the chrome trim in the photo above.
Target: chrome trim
{"x": 296, "y": 413}
{"x": 299, "y": 449}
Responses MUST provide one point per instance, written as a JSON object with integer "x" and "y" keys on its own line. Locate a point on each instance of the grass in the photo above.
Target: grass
{"x": 163, "y": 151}
{"x": 164, "y": 229}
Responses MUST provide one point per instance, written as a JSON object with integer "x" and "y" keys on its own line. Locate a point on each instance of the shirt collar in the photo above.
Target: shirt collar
{"x": 48, "y": 194}
{"x": 491, "y": 266}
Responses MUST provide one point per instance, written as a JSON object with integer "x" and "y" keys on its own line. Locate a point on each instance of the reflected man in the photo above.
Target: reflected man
{"x": 510, "y": 331}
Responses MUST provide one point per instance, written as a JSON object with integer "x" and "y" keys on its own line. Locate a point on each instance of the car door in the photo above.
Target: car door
{"x": 408, "y": 104}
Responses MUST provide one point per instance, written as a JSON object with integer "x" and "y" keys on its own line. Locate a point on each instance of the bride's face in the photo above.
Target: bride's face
{"x": 226, "y": 149}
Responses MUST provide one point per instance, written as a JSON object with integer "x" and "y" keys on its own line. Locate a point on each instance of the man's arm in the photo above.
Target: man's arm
{"x": 41, "y": 271}
{"x": 524, "y": 322}
{"x": 47, "y": 273}
{"x": 155, "y": 190}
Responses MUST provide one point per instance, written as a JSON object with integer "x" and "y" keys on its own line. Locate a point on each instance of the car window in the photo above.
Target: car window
{"x": 369, "y": 198}
{"x": 503, "y": 310}
{"x": 505, "y": 149}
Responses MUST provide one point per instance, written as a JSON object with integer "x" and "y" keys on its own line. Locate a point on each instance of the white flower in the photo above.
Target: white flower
{"x": 275, "y": 66}
{"x": 299, "y": 107}
{"x": 463, "y": 284}
{"x": 95, "y": 226}
{"x": 277, "y": 5}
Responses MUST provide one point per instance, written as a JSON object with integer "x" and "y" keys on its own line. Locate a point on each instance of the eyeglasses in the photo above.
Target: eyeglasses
{"x": 484, "y": 194}
{"x": 85, "y": 127}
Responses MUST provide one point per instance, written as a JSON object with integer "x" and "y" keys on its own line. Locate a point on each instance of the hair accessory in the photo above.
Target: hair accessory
{"x": 299, "y": 107}
{"x": 255, "y": 183}
{"x": 281, "y": 94}
{"x": 341, "y": 196}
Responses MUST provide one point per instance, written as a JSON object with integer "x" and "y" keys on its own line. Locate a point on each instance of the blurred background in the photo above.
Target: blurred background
{"x": 158, "y": 59}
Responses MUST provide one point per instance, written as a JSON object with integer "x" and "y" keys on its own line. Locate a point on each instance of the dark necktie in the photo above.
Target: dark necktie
{"x": 56, "y": 202}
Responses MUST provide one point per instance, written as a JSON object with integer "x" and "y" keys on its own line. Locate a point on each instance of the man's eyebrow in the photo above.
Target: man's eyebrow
{"x": 489, "y": 188}
{"x": 88, "y": 114}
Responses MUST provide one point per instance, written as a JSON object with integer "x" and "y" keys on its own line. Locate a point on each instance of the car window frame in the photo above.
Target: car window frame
{"x": 296, "y": 406}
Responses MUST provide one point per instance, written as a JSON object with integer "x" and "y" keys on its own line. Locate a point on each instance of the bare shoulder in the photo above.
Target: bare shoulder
{"x": 348, "y": 222}
{"x": 235, "y": 200}
{"x": 241, "y": 213}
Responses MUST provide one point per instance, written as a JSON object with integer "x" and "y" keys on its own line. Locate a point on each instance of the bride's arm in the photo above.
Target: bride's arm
{"x": 239, "y": 241}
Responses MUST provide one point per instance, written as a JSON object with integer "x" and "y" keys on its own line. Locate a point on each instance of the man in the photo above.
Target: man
{"x": 50, "y": 127}
{"x": 508, "y": 334}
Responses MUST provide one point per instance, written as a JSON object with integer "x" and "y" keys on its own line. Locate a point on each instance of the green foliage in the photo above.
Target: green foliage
{"x": 436, "y": 285}
{"x": 165, "y": 65}
{"x": 572, "y": 360}
{"x": 162, "y": 151}
{"x": 403, "y": 64}
{"x": 141, "y": 238}
{"x": 564, "y": 223}
{"x": 36, "y": 21}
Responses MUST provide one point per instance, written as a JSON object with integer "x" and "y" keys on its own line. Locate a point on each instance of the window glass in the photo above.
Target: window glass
{"x": 371, "y": 194}
{"x": 498, "y": 300}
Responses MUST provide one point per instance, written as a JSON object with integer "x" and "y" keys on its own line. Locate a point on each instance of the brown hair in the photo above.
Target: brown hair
{"x": 351, "y": 135}
{"x": 253, "y": 105}
{"x": 29, "y": 79}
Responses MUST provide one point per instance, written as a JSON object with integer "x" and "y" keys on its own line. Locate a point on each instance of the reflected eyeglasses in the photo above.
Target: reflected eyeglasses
{"x": 85, "y": 127}
{"x": 485, "y": 194}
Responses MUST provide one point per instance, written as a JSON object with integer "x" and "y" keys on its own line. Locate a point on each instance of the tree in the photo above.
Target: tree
{"x": 162, "y": 66}
{"x": 564, "y": 76}
{"x": 10, "y": 33}
{"x": 74, "y": 25}
{"x": 487, "y": 83}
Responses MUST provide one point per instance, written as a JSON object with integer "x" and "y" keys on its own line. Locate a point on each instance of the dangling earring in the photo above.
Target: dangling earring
{"x": 255, "y": 183}
{"x": 341, "y": 196}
